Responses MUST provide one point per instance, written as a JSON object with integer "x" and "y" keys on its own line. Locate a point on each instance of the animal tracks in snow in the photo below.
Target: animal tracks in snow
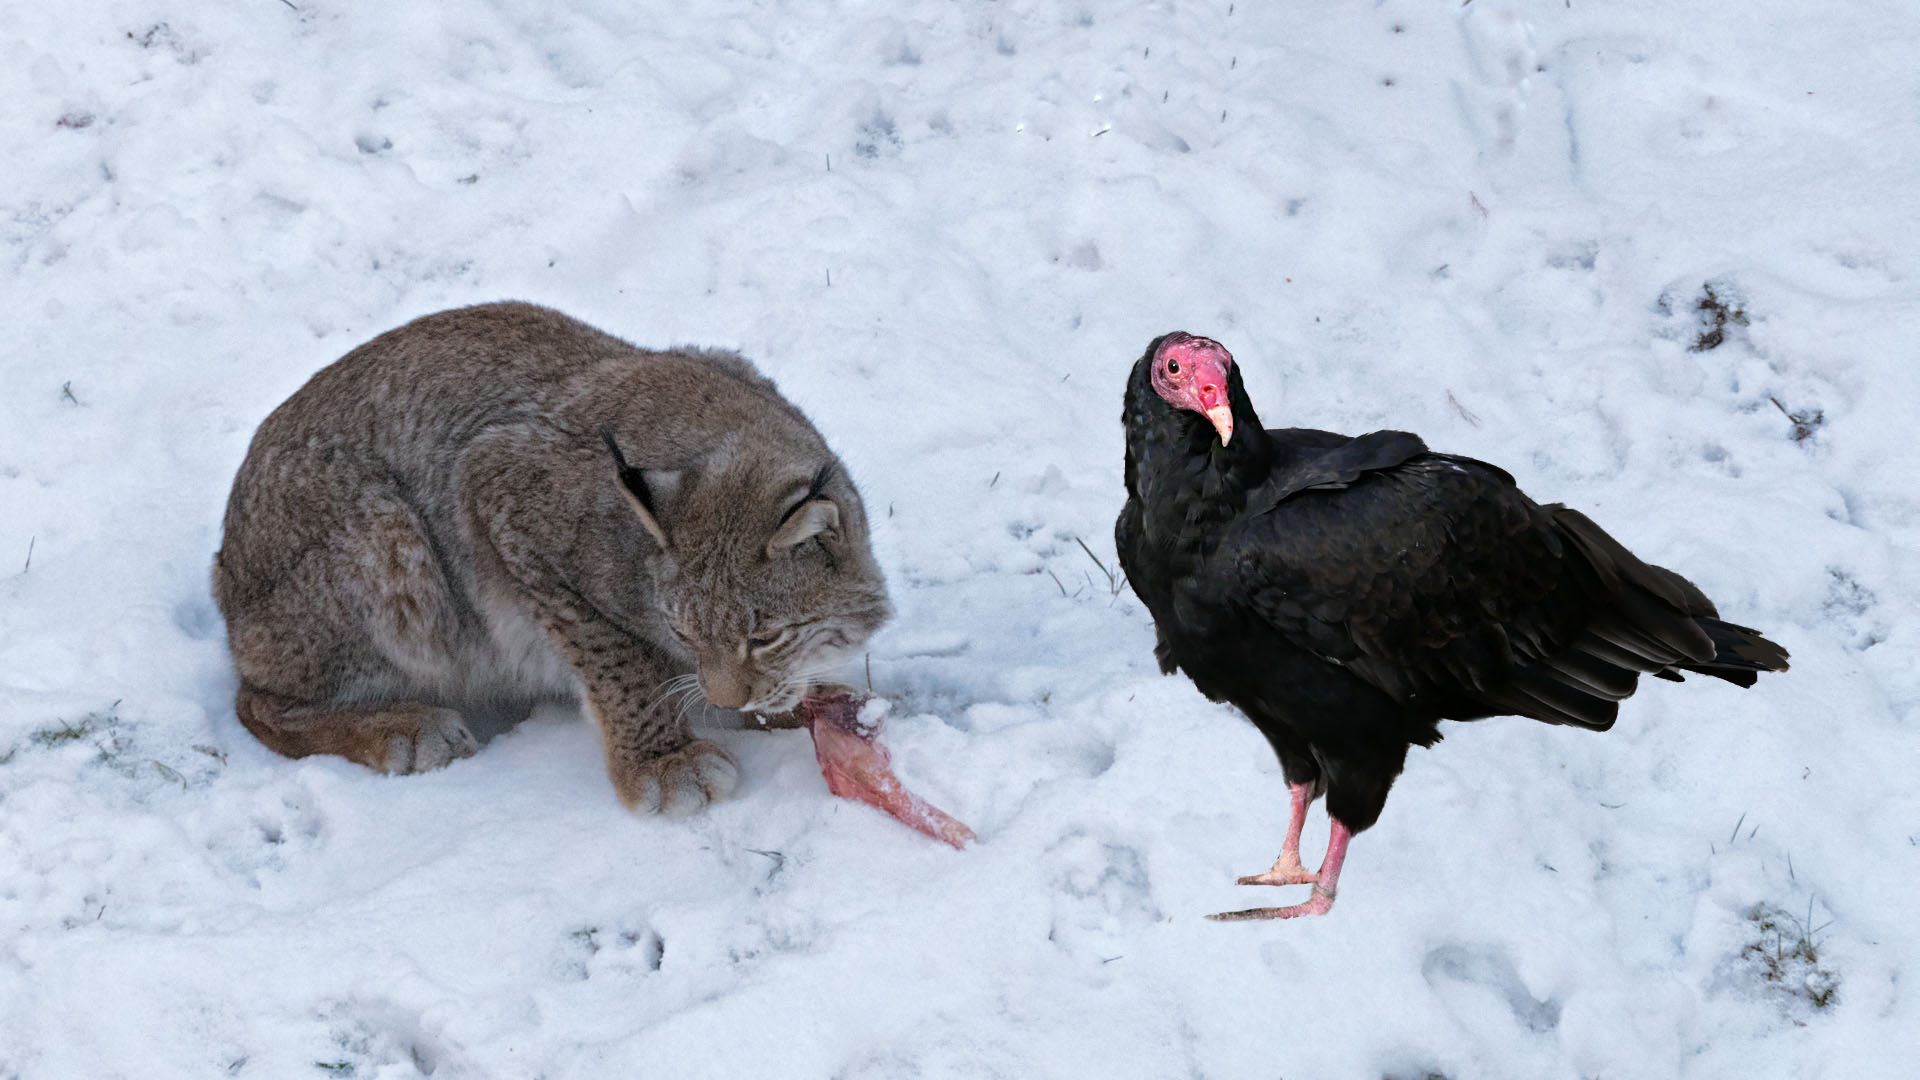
{"x": 1466, "y": 975}
{"x": 376, "y": 1038}
{"x": 621, "y": 951}
{"x": 1500, "y": 53}
{"x": 1102, "y": 895}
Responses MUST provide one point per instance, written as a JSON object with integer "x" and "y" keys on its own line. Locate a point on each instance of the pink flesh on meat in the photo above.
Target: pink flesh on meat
{"x": 857, "y": 767}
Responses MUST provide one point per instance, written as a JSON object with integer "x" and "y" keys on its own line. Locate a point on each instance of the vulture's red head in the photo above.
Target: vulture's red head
{"x": 1190, "y": 372}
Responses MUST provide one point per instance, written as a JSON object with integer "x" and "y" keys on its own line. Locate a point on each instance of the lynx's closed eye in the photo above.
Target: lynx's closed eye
{"x": 761, "y": 644}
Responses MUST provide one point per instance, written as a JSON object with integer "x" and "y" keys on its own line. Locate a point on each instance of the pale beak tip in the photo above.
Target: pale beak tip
{"x": 1221, "y": 417}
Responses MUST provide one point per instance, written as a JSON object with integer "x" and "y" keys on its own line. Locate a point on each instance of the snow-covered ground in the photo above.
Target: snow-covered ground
{"x": 1659, "y": 260}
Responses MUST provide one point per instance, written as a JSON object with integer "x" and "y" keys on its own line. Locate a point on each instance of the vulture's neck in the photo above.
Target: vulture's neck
{"x": 1204, "y": 483}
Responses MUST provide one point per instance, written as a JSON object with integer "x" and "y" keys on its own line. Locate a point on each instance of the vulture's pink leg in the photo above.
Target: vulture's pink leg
{"x": 1287, "y": 869}
{"x": 1320, "y": 900}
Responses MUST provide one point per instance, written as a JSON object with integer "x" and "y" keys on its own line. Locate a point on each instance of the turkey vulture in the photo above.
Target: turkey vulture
{"x": 1349, "y": 593}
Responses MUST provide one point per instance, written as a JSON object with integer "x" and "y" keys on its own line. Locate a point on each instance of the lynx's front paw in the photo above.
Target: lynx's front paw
{"x": 436, "y": 738}
{"x": 679, "y": 782}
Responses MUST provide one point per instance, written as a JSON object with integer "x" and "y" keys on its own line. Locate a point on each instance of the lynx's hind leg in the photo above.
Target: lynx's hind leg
{"x": 342, "y": 628}
{"x": 398, "y": 738}
{"x": 354, "y": 599}
{"x": 411, "y": 611}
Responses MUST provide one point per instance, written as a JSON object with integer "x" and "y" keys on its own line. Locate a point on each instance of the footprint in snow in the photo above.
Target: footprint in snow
{"x": 628, "y": 949}
{"x": 1456, "y": 970}
{"x": 1102, "y": 895}
{"x": 374, "y": 1037}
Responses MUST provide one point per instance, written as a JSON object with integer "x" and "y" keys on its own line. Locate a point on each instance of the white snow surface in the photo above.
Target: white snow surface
{"x": 947, "y": 228}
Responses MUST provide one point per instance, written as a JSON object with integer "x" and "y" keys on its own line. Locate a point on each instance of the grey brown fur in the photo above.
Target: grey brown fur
{"x": 434, "y": 527}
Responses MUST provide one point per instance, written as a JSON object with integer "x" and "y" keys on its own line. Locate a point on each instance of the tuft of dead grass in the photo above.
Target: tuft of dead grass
{"x": 1785, "y": 954}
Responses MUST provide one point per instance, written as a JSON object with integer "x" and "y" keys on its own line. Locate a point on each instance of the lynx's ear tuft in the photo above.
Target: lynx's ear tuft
{"x": 633, "y": 484}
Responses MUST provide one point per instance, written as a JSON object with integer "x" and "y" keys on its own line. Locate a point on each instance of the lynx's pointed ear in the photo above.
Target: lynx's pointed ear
{"x": 812, "y": 518}
{"x": 633, "y": 484}
{"x": 814, "y": 514}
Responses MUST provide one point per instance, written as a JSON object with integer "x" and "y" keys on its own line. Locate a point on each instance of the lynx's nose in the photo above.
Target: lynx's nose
{"x": 723, "y": 687}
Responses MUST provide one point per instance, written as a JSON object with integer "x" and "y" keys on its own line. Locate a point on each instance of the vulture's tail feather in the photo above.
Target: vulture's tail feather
{"x": 1739, "y": 653}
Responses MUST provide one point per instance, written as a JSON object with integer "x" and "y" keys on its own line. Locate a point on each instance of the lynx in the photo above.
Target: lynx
{"x": 497, "y": 506}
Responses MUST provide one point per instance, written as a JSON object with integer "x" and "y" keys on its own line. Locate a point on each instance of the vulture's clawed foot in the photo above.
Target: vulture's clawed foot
{"x": 1286, "y": 870}
{"x": 1319, "y": 903}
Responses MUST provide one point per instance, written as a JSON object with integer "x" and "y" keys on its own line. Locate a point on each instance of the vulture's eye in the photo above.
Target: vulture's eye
{"x": 1173, "y": 367}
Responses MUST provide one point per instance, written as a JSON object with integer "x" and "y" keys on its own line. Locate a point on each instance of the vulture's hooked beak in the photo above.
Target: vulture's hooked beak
{"x": 1222, "y": 419}
{"x": 1213, "y": 405}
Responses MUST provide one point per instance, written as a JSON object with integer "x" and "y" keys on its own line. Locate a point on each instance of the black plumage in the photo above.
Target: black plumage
{"x": 1347, "y": 594}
